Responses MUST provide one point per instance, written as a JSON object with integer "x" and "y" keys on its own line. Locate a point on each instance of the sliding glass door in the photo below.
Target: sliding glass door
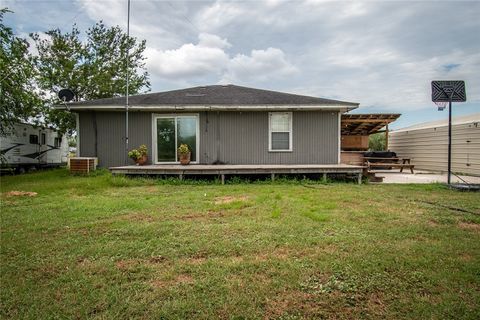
{"x": 166, "y": 140}
{"x": 171, "y": 132}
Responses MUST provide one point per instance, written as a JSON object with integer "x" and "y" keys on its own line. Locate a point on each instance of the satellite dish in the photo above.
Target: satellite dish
{"x": 65, "y": 95}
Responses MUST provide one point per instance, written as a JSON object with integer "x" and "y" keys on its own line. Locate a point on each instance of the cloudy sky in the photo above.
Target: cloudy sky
{"x": 382, "y": 54}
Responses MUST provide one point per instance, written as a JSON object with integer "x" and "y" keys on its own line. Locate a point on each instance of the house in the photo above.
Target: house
{"x": 427, "y": 144}
{"x": 222, "y": 124}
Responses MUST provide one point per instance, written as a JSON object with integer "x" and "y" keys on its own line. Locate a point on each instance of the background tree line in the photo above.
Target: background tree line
{"x": 93, "y": 65}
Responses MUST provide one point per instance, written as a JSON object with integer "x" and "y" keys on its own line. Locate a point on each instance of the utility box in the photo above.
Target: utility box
{"x": 83, "y": 165}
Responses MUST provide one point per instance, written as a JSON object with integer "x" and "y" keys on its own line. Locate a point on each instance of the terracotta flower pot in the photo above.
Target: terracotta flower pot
{"x": 185, "y": 158}
{"x": 141, "y": 161}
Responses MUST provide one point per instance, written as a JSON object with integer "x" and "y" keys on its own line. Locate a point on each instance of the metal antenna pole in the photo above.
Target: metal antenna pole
{"x": 126, "y": 95}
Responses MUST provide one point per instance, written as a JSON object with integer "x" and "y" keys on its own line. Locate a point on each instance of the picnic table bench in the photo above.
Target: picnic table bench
{"x": 375, "y": 162}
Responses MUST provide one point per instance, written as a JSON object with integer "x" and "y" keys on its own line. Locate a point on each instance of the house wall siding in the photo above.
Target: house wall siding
{"x": 111, "y": 135}
{"x": 242, "y": 138}
{"x": 428, "y": 148}
{"x": 225, "y": 137}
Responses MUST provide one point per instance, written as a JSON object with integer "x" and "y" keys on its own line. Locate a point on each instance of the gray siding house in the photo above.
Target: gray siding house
{"x": 222, "y": 124}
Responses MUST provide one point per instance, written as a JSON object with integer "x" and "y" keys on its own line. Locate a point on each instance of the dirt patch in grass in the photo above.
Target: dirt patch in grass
{"x": 195, "y": 261}
{"x": 21, "y": 194}
{"x": 469, "y": 226}
{"x": 290, "y": 303}
{"x": 180, "y": 279}
{"x": 157, "y": 259}
{"x": 229, "y": 199}
{"x": 128, "y": 264}
{"x": 376, "y": 304}
{"x": 152, "y": 189}
{"x": 137, "y": 216}
{"x": 433, "y": 223}
{"x": 207, "y": 215}
{"x": 466, "y": 257}
{"x": 211, "y": 214}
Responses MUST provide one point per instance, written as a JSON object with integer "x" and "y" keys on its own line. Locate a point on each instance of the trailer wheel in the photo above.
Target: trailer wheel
{"x": 20, "y": 170}
{"x": 32, "y": 169}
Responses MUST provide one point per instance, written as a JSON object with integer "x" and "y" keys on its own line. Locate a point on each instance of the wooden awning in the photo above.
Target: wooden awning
{"x": 366, "y": 124}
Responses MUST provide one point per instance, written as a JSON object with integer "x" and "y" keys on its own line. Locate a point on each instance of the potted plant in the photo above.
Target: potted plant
{"x": 139, "y": 155}
{"x": 184, "y": 154}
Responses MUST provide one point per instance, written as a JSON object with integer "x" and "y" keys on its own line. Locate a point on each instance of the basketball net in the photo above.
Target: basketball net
{"x": 441, "y": 105}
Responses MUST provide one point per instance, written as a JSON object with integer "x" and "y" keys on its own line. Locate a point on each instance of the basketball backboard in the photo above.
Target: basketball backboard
{"x": 442, "y": 90}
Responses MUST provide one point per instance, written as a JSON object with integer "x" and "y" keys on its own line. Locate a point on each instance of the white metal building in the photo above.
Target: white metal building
{"x": 426, "y": 144}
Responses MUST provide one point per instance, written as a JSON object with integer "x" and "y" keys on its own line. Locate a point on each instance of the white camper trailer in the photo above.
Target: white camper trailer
{"x": 29, "y": 147}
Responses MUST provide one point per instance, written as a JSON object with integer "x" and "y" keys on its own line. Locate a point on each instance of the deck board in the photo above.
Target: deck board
{"x": 236, "y": 169}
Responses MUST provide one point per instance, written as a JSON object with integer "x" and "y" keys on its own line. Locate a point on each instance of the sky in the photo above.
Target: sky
{"x": 382, "y": 54}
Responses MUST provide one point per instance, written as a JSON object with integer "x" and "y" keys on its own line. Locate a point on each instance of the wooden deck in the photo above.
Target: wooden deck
{"x": 222, "y": 170}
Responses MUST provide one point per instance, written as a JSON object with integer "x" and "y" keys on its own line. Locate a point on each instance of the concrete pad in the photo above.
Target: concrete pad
{"x": 422, "y": 177}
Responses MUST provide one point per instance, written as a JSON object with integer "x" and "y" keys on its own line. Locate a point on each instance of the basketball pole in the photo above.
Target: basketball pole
{"x": 449, "y": 137}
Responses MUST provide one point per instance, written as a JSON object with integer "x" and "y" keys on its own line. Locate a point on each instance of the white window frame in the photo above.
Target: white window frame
{"x": 156, "y": 116}
{"x": 290, "y": 137}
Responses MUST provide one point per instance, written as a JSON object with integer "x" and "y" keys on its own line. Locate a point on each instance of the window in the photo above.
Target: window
{"x": 33, "y": 139}
{"x": 280, "y": 131}
{"x": 44, "y": 138}
{"x": 57, "y": 142}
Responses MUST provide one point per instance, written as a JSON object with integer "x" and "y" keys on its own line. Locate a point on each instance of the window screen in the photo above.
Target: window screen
{"x": 33, "y": 139}
{"x": 280, "y": 131}
{"x": 57, "y": 142}
{"x": 44, "y": 138}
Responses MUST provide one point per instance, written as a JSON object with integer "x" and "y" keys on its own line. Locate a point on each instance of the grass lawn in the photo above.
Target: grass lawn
{"x": 111, "y": 247}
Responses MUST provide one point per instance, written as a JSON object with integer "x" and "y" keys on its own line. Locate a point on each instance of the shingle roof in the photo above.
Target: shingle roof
{"x": 220, "y": 95}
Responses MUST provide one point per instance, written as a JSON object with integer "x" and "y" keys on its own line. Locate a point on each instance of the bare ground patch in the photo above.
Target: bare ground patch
{"x": 128, "y": 264}
{"x": 433, "y": 223}
{"x": 180, "y": 279}
{"x": 137, "y": 216}
{"x": 207, "y": 215}
{"x": 132, "y": 216}
{"x": 21, "y": 194}
{"x": 229, "y": 199}
{"x": 469, "y": 226}
{"x": 290, "y": 303}
{"x": 466, "y": 257}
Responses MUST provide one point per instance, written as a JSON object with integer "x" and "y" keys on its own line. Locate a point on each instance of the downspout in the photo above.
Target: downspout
{"x": 77, "y": 122}
{"x": 95, "y": 131}
{"x": 217, "y": 135}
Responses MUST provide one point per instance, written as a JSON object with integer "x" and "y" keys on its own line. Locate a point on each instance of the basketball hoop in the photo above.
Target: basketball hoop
{"x": 441, "y": 105}
{"x": 443, "y": 92}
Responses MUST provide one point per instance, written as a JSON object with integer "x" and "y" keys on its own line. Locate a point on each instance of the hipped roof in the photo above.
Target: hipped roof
{"x": 215, "y": 97}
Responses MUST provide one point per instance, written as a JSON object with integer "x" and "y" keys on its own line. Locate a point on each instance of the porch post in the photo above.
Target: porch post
{"x": 386, "y": 138}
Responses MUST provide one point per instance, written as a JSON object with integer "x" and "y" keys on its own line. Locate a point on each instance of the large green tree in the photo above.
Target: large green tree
{"x": 94, "y": 67}
{"x": 19, "y": 96}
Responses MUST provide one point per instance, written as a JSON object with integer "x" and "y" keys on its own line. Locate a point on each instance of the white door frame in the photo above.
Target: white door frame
{"x": 156, "y": 116}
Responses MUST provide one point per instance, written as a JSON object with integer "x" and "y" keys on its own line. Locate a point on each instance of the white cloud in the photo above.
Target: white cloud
{"x": 260, "y": 65}
{"x": 209, "y": 57}
{"x": 190, "y": 60}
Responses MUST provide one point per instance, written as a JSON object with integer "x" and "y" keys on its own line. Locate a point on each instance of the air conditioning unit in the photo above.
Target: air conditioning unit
{"x": 83, "y": 165}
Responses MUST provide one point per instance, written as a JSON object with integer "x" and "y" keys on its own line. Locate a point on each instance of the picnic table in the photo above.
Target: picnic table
{"x": 394, "y": 162}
